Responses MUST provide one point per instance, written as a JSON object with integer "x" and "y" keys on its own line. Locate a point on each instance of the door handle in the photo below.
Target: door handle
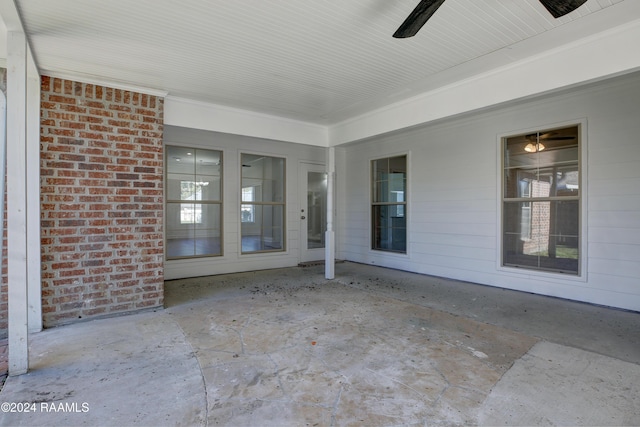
{"x": 303, "y": 217}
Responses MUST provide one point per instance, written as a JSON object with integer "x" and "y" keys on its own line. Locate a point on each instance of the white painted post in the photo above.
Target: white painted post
{"x": 33, "y": 196}
{"x": 329, "y": 239}
{"x": 3, "y": 151}
{"x": 17, "y": 203}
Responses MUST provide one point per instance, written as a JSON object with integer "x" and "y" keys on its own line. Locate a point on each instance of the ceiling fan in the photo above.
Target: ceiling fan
{"x": 426, "y": 9}
{"x": 534, "y": 140}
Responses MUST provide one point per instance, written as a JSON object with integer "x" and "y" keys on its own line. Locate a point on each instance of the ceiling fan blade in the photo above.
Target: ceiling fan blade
{"x": 553, "y": 136}
{"x": 558, "y": 138}
{"x": 417, "y": 18}
{"x": 560, "y": 8}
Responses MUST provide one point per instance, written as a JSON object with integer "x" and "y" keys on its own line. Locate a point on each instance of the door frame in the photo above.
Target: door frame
{"x": 306, "y": 254}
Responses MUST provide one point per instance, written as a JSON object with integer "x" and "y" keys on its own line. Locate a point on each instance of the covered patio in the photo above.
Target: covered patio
{"x": 374, "y": 346}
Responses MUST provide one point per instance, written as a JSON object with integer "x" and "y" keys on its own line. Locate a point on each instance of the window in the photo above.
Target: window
{"x": 541, "y": 201}
{"x": 262, "y": 206}
{"x": 388, "y": 207}
{"x": 194, "y": 202}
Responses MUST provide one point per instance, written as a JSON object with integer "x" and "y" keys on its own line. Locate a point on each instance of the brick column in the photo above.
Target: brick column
{"x": 102, "y": 201}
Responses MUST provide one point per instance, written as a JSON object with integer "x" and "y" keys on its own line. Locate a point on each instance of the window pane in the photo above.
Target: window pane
{"x": 391, "y": 188}
{"x": 389, "y": 179}
{"x": 316, "y": 209}
{"x": 180, "y": 160}
{"x": 193, "y": 176}
{"x": 190, "y": 213}
{"x": 207, "y": 163}
{"x": 517, "y": 218}
{"x": 266, "y": 175}
{"x": 176, "y": 189}
{"x": 249, "y": 194}
{"x": 207, "y": 188}
{"x": 519, "y": 183}
{"x": 247, "y": 211}
{"x": 389, "y": 228}
{"x": 552, "y": 170}
{"x": 208, "y": 231}
{"x": 209, "y": 218}
{"x": 543, "y": 235}
{"x": 543, "y": 182}
{"x": 389, "y": 184}
{"x": 207, "y": 170}
{"x": 568, "y": 182}
{"x": 179, "y": 234}
{"x": 379, "y": 174}
{"x": 266, "y": 232}
{"x": 262, "y": 208}
{"x": 201, "y": 237}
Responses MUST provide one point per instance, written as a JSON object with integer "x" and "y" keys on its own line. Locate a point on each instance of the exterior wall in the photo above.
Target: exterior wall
{"x": 102, "y": 201}
{"x": 454, "y": 194}
{"x": 232, "y": 146}
{"x": 102, "y": 198}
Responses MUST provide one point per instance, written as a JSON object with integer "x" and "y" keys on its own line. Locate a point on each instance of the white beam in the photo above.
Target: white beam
{"x": 17, "y": 202}
{"x": 202, "y": 115}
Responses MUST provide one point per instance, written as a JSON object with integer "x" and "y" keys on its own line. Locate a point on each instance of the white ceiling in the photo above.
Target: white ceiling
{"x": 317, "y": 61}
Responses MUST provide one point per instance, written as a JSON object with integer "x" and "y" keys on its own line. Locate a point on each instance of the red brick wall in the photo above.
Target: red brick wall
{"x": 102, "y": 201}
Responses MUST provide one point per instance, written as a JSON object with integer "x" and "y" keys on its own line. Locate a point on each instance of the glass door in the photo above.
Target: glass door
{"x": 313, "y": 211}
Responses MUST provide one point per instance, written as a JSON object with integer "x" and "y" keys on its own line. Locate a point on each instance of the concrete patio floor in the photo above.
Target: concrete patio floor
{"x": 374, "y": 347}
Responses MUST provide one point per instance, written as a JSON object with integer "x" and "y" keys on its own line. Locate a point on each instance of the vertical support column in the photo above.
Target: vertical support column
{"x": 3, "y": 156}
{"x": 34, "y": 286}
{"x": 329, "y": 239}
{"x": 17, "y": 202}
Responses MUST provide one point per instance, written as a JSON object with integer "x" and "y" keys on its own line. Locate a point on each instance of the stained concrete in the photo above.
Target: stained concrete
{"x": 130, "y": 370}
{"x": 559, "y": 385}
{"x": 373, "y": 347}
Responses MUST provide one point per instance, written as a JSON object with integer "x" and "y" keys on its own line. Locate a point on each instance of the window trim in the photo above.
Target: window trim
{"x": 285, "y": 246}
{"x": 405, "y": 203}
{"x": 581, "y": 275}
{"x": 168, "y": 201}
